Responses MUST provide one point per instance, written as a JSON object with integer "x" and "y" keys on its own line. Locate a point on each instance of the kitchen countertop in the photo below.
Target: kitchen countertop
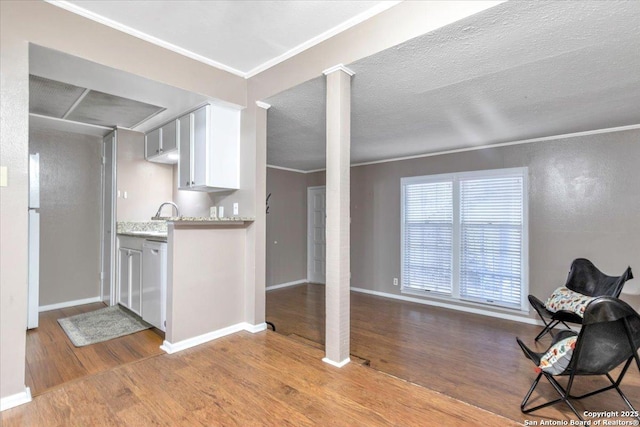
{"x": 205, "y": 220}
{"x": 155, "y": 236}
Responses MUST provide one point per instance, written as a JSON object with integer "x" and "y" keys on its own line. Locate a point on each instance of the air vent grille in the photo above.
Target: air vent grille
{"x": 50, "y": 97}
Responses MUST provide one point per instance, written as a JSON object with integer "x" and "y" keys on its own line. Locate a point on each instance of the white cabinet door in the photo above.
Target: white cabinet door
{"x": 185, "y": 124}
{"x": 169, "y": 137}
{"x": 200, "y": 141}
{"x": 135, "y": 266}
{"x": 154, "y": 284}
{"x": 153, "y": 142}
{"x": 124, "y": 268}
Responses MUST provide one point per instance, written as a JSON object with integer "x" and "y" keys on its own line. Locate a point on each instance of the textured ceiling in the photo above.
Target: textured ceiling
{"x": 517, "y": 71}
{"x": 239, "y": 36}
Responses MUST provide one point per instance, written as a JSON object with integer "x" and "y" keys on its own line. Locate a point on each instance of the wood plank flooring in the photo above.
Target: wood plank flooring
{"x": 52, "y": 359}
{"x": 245, "y": 380}
{"x": 470, "y": 357}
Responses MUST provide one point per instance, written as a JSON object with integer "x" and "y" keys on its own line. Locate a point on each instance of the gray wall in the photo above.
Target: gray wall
{"x": 286, "y": 225}
{"x": 584, "y": 201}
{"x": 70, "y": 204}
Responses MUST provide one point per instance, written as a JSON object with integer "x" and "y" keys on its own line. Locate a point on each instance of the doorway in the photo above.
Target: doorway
{"x": 316, "y": 230}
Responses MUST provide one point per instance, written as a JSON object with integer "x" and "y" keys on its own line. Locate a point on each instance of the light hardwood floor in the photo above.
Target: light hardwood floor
{"x": 52, "y": 359}
{"x": 245, "y": 380}
{"x": 470, "y": 357}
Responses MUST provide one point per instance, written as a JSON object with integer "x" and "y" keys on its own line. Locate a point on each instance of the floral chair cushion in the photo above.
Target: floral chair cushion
{"x": 557, "y": 358}
{"x": 568, "y": 300}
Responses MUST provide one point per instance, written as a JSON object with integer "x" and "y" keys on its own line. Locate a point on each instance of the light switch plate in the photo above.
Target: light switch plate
{"x": 235, "y": 209}
{"x": 3, "y": 176}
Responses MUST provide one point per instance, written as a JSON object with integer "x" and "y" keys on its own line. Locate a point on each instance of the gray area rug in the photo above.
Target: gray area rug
{"x": 101, "y": 325}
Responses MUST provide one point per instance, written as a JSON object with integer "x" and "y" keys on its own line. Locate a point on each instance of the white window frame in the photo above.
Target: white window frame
{"x": 456, "y": 255}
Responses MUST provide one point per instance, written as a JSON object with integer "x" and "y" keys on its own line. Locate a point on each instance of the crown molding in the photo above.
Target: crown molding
{"x": 263, "y": 105}
{"x": 339, "y": 67}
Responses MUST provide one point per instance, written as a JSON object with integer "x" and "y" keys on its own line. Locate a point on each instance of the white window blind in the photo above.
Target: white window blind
{"x": 428, "y": 236}
{"x": 464, "y": 236}
{"x": 491, "y": 225}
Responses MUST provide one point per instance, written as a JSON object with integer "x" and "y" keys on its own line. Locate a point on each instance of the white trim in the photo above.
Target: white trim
{"x": 482, "y": 147}
{"x": 379, "y": 8}
{"x": 339, "y": 67}
{"x": 143, "y": 36}
{"x": 171, "y": 348}
{"x": 263, "y": 105}
{"x": 466, "y": 309}
{"x": 67, "y": 304}
{"x": 505, "y": 144}
{"x": 286, "y": 285}
{"x": 336, "y": 364}
{"x": 15, "y": 399}
{"x": 286, "y": 169}
{"x": 367, "y": 14}
{"x": 254, "y": 329}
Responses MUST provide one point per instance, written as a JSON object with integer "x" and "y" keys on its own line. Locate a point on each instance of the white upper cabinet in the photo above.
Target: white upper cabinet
{"x": 209, "y": 141}
{"x": 161, "y": 144}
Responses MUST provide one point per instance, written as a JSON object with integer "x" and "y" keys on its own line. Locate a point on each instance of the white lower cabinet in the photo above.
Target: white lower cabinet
{"x": 130, "y": 278}
{"x": 154, "y": 283}
{"x": 142, "y": 278}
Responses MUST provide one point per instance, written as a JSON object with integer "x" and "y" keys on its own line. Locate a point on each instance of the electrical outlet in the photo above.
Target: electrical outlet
{"x": 236, "y": 209}
{"x": 395, "y": 281}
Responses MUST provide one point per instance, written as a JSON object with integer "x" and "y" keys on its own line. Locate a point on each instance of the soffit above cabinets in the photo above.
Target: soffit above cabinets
{"x": 60, "y": 100}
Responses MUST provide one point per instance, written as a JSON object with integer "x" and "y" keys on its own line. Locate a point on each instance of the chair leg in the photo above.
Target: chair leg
{"x": 547, "y": 328}
{"x": 564, "y": 396}
{"x": 272, "y": 326}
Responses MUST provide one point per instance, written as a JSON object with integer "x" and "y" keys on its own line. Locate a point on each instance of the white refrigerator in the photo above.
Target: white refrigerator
{"x": 34, "y": 241}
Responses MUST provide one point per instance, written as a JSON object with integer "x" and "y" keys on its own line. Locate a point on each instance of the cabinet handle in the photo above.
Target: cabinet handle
{"x": 157, "y": 150}
{"x": 187, "y": 183}
{"x": 192, "y": 182}
{"x": 154, "y": 251}
{"x": 161, "y": 150}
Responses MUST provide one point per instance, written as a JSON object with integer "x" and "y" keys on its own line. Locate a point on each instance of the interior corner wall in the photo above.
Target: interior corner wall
{"x": 24, "y": 22}
{"x": 583, "y": 202}
{"x": 70, "y": 207}
{"x": 134, "y": 175}
{"x": 286, "y": 227}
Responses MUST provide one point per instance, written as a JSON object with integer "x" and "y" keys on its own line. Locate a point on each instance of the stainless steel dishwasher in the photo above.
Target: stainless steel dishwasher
{"x": 154, "y": 283}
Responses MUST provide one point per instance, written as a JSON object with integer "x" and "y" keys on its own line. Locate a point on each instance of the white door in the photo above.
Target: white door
{"x": 108, "y": 218}
{"x": 316, "y": 227}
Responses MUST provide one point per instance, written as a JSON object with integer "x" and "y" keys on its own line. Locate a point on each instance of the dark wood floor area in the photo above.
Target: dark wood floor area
{"x": 469, "y": 357}
{"x": 52, "y": 359}
{"x": 245, "y": 380}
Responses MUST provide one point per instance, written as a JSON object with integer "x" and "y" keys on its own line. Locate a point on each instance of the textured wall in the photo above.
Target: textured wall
{"x": 70, "y": 205}
{"x": 147, "y": 184}
{"x": 286, "y": 225}
{"x": 583, "y": 202}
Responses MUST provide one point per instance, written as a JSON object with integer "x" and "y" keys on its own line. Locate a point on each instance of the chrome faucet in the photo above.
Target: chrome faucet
{"x": 157, "y": 215}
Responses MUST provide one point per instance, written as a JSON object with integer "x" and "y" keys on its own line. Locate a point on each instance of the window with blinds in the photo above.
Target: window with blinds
{"x": 464, "y": 236}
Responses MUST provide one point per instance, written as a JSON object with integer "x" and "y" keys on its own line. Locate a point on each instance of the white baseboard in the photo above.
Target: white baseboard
{"x": 68, "y": 304}
{"x": 286, "y": 285}
{"x": 15, "y": 399}
{"x": 254, "y": 329}
{"x": 336, "y": 364}
{"x": 474, "y": 310}
{"x": 171, "y": 348}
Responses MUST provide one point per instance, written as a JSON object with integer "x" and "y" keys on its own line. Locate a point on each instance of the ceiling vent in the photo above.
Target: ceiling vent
{"x": 64, "y": 101}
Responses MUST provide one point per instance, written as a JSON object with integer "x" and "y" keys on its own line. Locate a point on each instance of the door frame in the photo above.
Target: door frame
{"x": 103, "y": 234}
{"x": 310, "y": 228}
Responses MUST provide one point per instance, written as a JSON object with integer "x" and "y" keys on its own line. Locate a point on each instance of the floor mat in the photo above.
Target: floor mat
{"x": 101, "y": 325}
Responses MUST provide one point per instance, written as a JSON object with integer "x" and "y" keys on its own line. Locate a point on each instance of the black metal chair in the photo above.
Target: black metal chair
{"x": 610, "y": 335}
{"x": 584, "y": 278}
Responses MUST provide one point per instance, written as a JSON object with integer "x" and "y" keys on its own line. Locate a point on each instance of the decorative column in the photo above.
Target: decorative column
{"x": 338, "y": 262}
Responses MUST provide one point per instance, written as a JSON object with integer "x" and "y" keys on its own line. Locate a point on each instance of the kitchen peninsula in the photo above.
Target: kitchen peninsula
{"x": 204, "y": 276}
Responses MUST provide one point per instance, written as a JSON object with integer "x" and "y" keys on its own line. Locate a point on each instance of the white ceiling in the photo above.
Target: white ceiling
{"x": 517, "y": 71}
{"x": 242, "y": 37}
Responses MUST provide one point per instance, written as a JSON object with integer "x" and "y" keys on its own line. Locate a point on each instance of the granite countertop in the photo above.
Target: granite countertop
{"x": 209, "y": 220}
{"x": 157, "y": 229}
